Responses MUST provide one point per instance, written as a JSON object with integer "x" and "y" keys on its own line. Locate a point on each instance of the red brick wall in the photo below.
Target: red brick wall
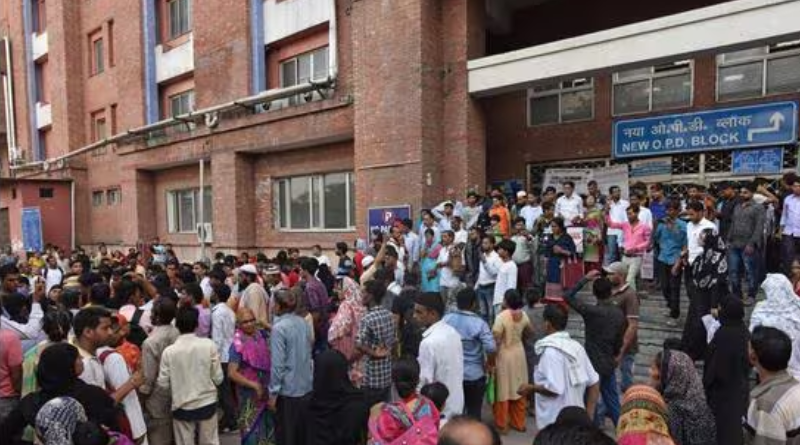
{"x": 56, "y": 216}
{"x": 511, "y": 144}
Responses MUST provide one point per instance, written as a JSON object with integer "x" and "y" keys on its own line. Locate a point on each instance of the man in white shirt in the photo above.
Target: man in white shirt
{"x": 316, "y": 252}
{"x": 52, "y": 274}
{"x": 223, "y": 328}
{"x": 190, "y": 369}
{"x": 790, "y": 228}
{"x": 441, "y": 357}
{"x": 531, "y": 212}
{"x": 200, "y": 270}
{"x": 444, "y": 214}
{"x": 506, "y": 276}
{"x": 9, "y": 280}
{"x": 411, "y": 240}
{"x": 645, "y": 215}
{"x": 565, "y": 375}
{"x": 449, "y": 282}
{"x": 487, "y": 276}
{"x": 471, "y": 210}
{"x": 461, "y": 235}
{"x": 570, "y": 206}
{"x": 118, "y": 377}
{"x": 617, "y": 212}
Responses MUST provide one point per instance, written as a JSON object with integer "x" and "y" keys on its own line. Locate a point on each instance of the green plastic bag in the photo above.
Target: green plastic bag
{"x": 491, "y": 394}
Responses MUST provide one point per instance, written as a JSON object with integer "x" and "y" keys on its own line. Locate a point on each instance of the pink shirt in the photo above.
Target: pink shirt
{"x": 637, "y": 238}
{"x": 10, "y": 358}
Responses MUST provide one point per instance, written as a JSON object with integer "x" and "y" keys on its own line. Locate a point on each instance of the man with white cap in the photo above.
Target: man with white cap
{"x": 254, "y": 297}
{"x": 626, "y": 299}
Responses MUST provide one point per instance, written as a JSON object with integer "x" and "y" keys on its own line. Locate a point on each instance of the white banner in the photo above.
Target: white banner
{"x": 605, "y": 177}
{"x": 648, "y": 266}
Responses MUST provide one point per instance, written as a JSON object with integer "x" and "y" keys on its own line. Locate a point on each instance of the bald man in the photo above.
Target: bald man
{"x": 466, "y": 430}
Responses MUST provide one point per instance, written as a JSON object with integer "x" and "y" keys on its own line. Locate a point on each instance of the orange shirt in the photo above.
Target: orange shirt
{"x": 131, "y": 353}
{"x": 505, "y": 219}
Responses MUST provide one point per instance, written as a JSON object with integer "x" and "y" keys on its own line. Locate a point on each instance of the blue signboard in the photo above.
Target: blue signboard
{"x": 763, "y": 161}
{"x": 768, "y": 124}
{"x": 382, "y": 218}
{"x": 32, "y": 229}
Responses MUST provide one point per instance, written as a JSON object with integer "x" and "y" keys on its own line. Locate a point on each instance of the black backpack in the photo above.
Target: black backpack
{"x": 137, "y": 333}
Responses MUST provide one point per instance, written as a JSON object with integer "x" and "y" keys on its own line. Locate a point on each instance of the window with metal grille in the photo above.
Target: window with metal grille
{"x": 759, "y": 71}
{"x": 653, "y": 88}
{"x": 568, "y": 101}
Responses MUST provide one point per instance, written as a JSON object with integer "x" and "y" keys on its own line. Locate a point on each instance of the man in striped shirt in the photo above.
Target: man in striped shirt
{"x": 774, "y": 414}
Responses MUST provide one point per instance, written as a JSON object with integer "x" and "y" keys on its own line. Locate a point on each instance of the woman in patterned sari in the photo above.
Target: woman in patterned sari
{"x": 249, "y": 369}
{"x": 344, "y": 327}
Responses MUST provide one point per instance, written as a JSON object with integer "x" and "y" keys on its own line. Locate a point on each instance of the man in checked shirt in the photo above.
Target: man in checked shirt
{"x": 375, "y": 339}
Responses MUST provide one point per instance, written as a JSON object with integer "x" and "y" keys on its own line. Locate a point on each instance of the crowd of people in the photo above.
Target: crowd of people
{"x": 410, "y": 336}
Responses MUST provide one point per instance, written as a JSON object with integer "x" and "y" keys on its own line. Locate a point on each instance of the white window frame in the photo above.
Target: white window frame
{"x": 174, "y": 216}
{"x": 681, "y": 66}
{"x": 564, "y": 88}
{"x": 773, "y": 52}
{"x": 181, "y": 26}
{"x": 312, "y": 67}
{"x": 98, "y": 56}
{"x": 313, "y": 206}
{"x": 188, "y": 95}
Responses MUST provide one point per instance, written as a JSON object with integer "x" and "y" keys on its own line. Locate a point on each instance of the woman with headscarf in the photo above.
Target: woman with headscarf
{"x": 709, "y": 278}
{"x": 57, "y": 374}
{"x": 413, "y": 417}
{"x": 644, "y": 418}
{"x": 337, "y": 412}
{"x": 780, "y": 310}
{"x": 726, "y": 372}
{"x": 690, "y": 419}
{"x": 344, "y": 326}
{"x": 57, "y": 420}
{"x": 249, "y": 369}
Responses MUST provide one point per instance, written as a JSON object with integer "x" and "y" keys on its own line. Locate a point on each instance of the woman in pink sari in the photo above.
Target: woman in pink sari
{"x": 249, "y": 369}
{"x": 344, "y": 326}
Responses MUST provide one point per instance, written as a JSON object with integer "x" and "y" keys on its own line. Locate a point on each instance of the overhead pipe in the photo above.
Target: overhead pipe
{"x": 250, "y": 101}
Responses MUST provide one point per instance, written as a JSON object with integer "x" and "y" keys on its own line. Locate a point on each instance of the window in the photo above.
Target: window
{"x": 301, "y": 69}
{"x": 41, "y": 82}
{"x": 99, "y": 127}
{"x": 660, "y": 87}
{"x": 180, "y": 18}
{"x": 760, "y": 71}
{"x": 46, "y": 192}
{"x": 181, "y": 103}
{"x": 111, "y": 43}
{"x": 183, "y": 209}
{"x": 97, "y": 55}
{"x": 39, "y": 16}
{"x": 316, "y": 202}
{"x": 114, "y": 119}
{"x": 97, "y": 198}
{"x": 568, "y": 101}
{"x": 113, "y": 196}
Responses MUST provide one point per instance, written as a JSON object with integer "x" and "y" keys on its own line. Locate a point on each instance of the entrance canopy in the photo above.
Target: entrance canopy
{"x": 723, "y": 27}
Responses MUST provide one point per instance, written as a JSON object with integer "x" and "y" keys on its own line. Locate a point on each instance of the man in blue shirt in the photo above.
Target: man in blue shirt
{"x": 670, "y": 238}
{"x": 291, "y": 379}
{"x": 478, "y": 345}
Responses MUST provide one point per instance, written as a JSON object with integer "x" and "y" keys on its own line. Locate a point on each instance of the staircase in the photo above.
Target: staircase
{"x": 653, "y": 329}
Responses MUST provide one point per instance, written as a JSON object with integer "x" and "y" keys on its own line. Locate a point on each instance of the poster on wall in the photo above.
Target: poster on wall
{"x": 381, "y": 219}
{"x": 556, "y": 177}
{"x": 605, "y": 177}
{"x": 32, "y": 229}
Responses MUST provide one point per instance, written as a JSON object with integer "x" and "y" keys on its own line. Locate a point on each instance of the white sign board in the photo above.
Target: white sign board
{"x": 652, "y": 169}
{"x": 605, "y": 177}
{"x": 556, "y": 177}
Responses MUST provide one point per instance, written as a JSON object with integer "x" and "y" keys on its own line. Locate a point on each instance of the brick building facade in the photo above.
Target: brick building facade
{"x": 127, "y": 99}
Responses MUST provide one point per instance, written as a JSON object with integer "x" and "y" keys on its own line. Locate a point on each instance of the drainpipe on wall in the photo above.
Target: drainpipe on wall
{"x": 333, "y": 43}
{"x": 8, "y": 98}
{"x": 72, "y": 213}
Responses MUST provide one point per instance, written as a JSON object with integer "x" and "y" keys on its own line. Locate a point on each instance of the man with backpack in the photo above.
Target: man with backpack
{"x": 53, "y": 274}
